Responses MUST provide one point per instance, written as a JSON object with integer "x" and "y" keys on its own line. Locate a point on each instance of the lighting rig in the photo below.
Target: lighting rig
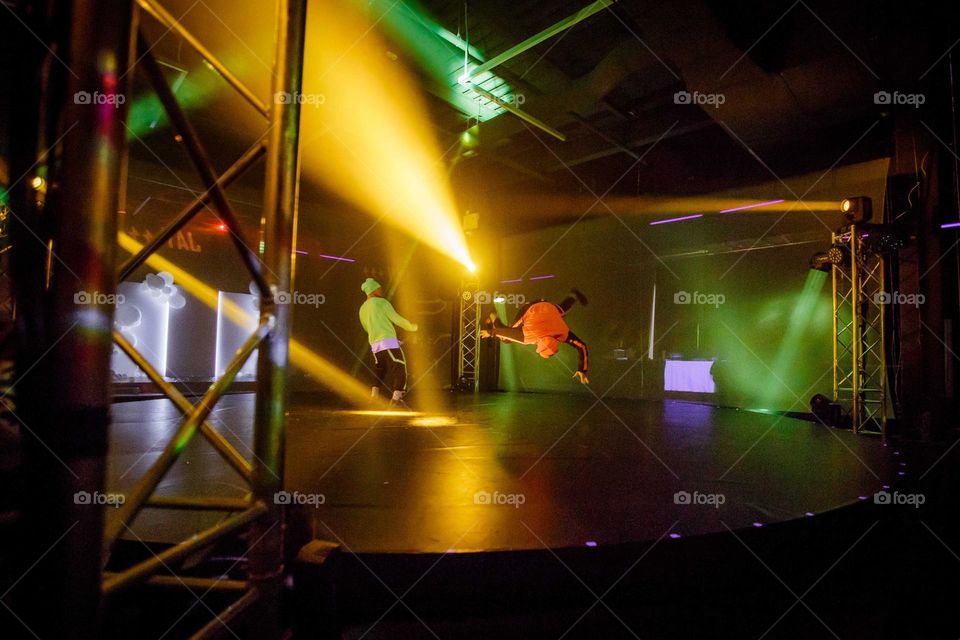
{"x": 856, "y": 260}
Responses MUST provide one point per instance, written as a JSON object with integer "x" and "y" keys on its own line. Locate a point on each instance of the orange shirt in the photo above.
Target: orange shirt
{"x": 541, "y": 320}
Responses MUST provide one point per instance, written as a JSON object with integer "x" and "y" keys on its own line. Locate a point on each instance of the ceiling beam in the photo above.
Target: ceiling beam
{"x": 604, "y": 136}
{"x": 640, "y": 141}
{"x": 529, "y": 43}
{"x": 520, "y": 113}
{"x": 546, "y": 34}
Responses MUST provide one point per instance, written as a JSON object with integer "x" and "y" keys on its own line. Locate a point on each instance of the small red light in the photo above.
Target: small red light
{"x": 221, "y": 227}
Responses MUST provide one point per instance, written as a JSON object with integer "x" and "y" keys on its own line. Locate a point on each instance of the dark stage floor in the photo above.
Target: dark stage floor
{"x": 567, "y": 471}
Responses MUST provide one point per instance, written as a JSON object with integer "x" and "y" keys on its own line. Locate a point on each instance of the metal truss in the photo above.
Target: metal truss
{"x": 263, "y": 475}
{"x": 468, "y": 339}
{"x": 66, "y": 432}
{"x": 859, "y": 354}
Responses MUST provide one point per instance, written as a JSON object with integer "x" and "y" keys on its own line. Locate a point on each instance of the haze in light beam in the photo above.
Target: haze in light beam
{"x": 366, "y": 134}
{"x": 791, "y": 347}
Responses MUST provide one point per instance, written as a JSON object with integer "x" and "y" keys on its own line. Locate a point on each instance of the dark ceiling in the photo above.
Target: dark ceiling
{"x": 798, "y": 80}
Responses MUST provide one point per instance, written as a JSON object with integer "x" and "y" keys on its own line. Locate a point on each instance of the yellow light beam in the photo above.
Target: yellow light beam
{"x": 366, "y": 134}
{"x": 368, "y": 137}
{"x": 541, "y": 204}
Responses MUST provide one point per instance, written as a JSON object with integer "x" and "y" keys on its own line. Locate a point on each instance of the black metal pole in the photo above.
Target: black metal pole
{"x": 65, "y": 276}
{"x": 187, "y": 213}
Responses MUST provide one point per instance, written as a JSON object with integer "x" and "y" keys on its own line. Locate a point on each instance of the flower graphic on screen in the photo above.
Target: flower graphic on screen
{"x": 126, "y": 318}
{"x": 160, "y": 286}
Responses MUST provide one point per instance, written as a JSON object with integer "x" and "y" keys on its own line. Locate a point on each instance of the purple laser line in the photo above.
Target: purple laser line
{"x": 323, "y": 255}
{"x": 752, "y": 206}
{"x": 696, "y": 215}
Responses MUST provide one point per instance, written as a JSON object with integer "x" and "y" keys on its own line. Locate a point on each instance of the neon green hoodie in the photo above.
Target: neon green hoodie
{"x": 378, "y": 316}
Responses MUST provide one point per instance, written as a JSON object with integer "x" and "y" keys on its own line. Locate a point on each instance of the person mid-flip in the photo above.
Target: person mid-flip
{"x": 541, "y": 323}
{"x": 378, "y": 316}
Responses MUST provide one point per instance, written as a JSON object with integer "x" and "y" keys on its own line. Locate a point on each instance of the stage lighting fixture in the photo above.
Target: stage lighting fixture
{"x": 827, "y": 411}
{"x": 470, "y": 139}
{"x": 820, "y": 261}
{"x": 857, "y": 210}
{"x": 469, "y": 142}
{"x": 838, "y": 255}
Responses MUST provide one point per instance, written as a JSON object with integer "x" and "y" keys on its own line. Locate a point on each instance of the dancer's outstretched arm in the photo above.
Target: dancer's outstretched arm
{"x": 507, "y": 334}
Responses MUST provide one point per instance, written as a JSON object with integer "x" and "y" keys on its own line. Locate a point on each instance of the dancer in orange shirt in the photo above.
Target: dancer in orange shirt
{"x": 541, "y": 323}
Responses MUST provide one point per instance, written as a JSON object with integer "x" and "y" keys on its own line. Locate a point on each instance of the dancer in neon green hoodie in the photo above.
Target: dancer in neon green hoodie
{"x": 378, "y": 318}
